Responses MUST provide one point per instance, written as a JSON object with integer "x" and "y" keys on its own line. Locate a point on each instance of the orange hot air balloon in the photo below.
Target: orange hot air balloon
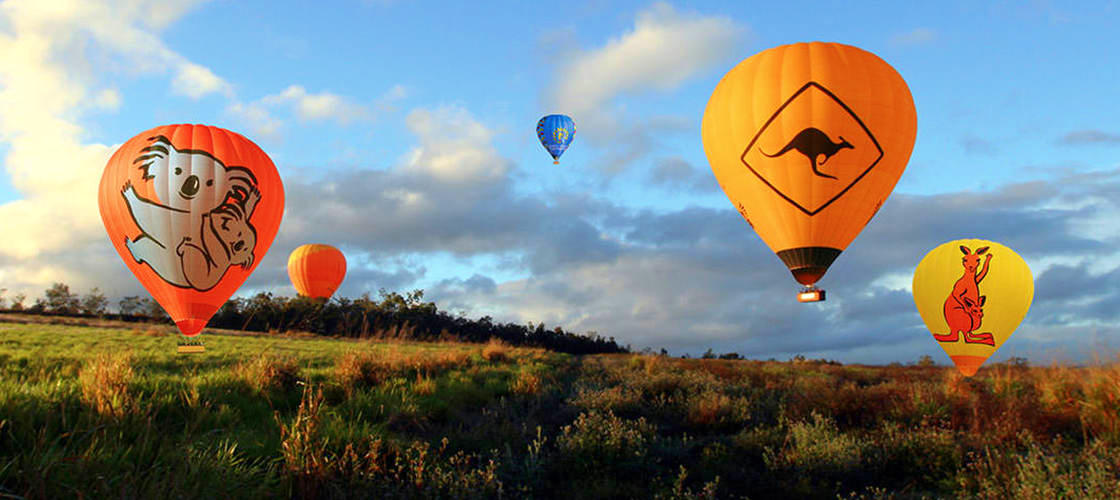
{"x": 191, "y": 209}
{"x": 808, "y": 140}
{"x": 316, "y": 270}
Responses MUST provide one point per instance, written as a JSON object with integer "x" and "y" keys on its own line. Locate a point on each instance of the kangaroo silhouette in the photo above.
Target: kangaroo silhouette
{"x": 964, "y": 306}
{"x": 812, "y": 143}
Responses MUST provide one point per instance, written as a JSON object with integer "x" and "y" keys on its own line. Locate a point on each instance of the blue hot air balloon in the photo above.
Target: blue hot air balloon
{"x": 556, "y": 133}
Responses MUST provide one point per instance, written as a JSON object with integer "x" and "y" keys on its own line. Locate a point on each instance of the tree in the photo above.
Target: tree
{"x": 926, "y": 361}
{"x": 2, "y": 290}
{"x": 153, "y": 310}
{"x": 60, "y": 300}
{"x": 17, "y": 301}
{"x": 94, "y": 302}
{"x": 1018, "y": 362}
{"x": 708, "y": 354}
{"x": 130, "y": 305}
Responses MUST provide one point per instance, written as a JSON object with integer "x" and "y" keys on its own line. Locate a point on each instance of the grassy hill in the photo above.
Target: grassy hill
{"x": 112, "y": 410}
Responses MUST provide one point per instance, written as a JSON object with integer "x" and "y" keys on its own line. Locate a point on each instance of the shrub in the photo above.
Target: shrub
{"x": 817, "y": 445}
{"x": 1042, "y": 474}
{"x": 601, "y": 439}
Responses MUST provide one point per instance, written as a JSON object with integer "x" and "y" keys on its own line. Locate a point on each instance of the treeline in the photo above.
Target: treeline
{"x": 391, "y": 315}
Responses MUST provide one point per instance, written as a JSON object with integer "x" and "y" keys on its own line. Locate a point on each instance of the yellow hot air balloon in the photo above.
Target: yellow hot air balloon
{"x": 808, "y": 140}
{"x": 972, "y": 294}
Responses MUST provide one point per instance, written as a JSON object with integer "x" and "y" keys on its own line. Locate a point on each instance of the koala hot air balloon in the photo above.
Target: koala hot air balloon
{"x": 191, "y": 209}
{"x": 807, "y": 141}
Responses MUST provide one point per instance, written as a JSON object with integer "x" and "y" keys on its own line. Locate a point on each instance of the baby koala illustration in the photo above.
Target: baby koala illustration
{"x": 201, "y": 224}
{"x": 964, "y": 307}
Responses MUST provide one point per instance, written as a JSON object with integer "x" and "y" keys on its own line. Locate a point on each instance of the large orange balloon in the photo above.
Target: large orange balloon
{"x": 191, "y": 209}
{"x": 808, "y": 140}
{"x": 316, "y": 270}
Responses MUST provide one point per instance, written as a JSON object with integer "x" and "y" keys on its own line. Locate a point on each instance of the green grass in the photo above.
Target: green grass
{"x": 106, "y": 411}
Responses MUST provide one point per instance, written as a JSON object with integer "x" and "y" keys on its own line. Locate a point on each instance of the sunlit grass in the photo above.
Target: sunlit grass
{"x": 111, "y": 412}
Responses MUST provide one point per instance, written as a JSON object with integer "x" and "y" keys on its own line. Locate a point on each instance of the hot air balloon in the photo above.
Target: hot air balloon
{"x": 556, "y": 133}
{"x": 191, "y": 209}
{"x": 808, "y": 140}
{"x": 972, "y": 294}
{"x": 316, "y": 270}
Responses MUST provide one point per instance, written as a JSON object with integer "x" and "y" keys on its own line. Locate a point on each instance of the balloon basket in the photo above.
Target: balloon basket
{"x": 810, "y": 294}
{"x": 555, "y": 162}
{"x": 191, "y": 347}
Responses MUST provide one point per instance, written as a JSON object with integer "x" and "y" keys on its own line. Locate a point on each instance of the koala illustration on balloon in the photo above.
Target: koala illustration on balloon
{"x": 201, "y": 225}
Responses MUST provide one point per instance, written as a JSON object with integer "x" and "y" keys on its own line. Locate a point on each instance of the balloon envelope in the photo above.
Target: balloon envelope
{"x": 972, "y": 294}
{"x": 191, "y": 209}
{"x": 556, "y": 133}
{"x": 316, "y": 270}
{"x": 808, "y": 140}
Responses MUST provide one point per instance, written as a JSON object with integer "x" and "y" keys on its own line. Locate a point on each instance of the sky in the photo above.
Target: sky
{"x": 405, "y": 135}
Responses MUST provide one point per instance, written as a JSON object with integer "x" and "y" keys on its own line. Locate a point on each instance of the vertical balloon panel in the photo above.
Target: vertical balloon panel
{"x": 972, "y": 294}
{"x": 191, "y": 209}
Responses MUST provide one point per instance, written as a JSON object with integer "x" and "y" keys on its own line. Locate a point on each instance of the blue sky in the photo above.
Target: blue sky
{"x": 630, "y": 236}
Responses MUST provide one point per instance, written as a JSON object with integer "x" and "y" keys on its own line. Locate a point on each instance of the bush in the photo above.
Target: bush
{"x": 1040, "y": 474}
{"x": 597, "y": 440}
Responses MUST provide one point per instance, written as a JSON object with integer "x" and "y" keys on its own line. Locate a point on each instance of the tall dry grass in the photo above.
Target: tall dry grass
{"x": 527, "y": 383}
{"x": 267, "y": 372}
{"x": 302, "y": 451}
{"x": 388, "y": 470}
{"x": 363, "y": 369}
{"x": 496, "y": 351}
{"x": 105, "y": 381}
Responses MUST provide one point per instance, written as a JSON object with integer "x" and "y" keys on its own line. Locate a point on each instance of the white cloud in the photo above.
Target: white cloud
{"x": 59, "y": 59}
{"x": 107, "y": 99}
{"x": 260, "y": 115}
{"x": 195, "y": 81}
{"x": 258, "y": 118}
{"x": 916, "y": 36}
{"x": 699, "y": 278}
{"x": 453, "y": 147}
{"x": 317, "y": 107}
{"x": 664, "y": 49}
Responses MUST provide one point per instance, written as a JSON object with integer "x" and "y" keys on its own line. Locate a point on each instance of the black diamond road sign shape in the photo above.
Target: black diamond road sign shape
{"x": 870, "y": 153}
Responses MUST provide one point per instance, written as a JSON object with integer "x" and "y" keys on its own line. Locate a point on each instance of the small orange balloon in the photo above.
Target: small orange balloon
{"x": 191, "y": 209}
{"x": 316, "y": 270}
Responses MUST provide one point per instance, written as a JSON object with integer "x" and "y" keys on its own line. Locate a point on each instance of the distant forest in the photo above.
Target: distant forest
{"x": 391, "y": 315}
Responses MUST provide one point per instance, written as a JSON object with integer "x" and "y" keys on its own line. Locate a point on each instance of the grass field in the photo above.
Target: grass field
{"x": 113, "y": 411}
